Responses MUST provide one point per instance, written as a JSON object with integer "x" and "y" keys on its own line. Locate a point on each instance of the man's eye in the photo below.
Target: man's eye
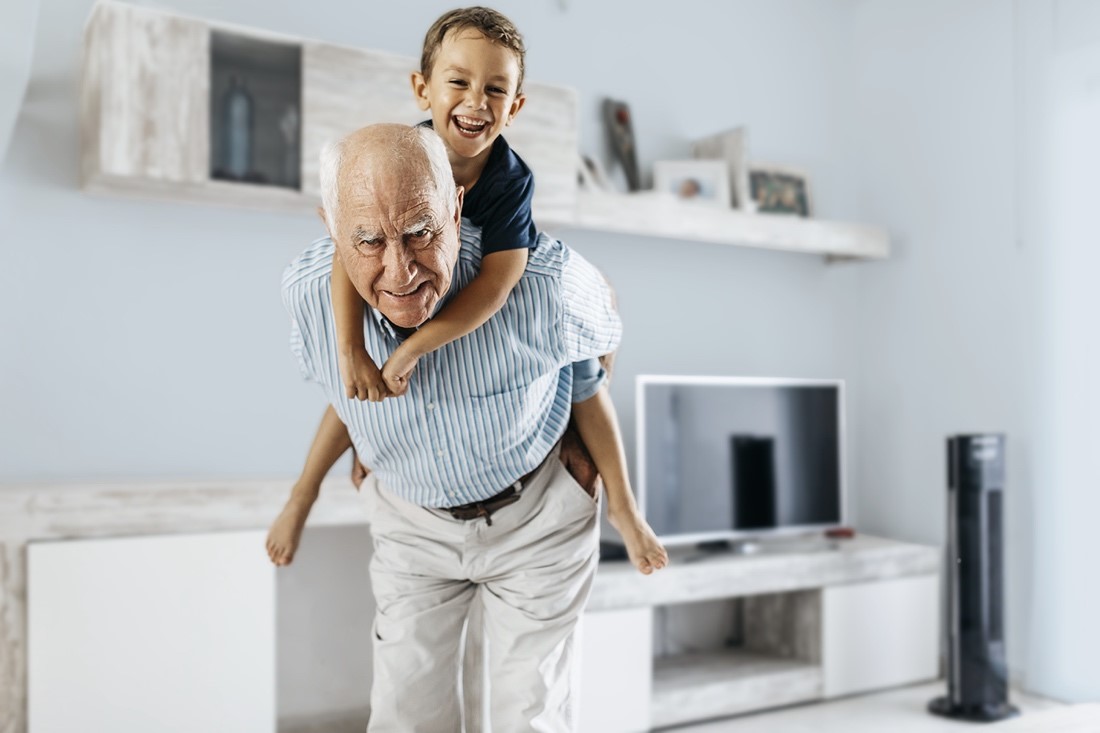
{"x": 421, "y": 234}
{"x": 369, "y": 243}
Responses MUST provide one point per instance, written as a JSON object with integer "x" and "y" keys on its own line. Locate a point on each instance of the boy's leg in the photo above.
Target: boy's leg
{"x": 540, "y": 558}
{"x": 422, "y": 604}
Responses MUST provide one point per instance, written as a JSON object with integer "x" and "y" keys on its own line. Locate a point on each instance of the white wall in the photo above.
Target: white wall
{"x": 981, "y": 159}
{"x": 148, "y": 339}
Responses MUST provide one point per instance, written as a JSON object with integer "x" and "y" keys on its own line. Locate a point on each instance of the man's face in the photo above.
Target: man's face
{"x": 396, "y": 239}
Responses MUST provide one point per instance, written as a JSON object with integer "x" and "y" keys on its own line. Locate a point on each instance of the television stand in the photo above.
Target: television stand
{"x": 717, "y": 633}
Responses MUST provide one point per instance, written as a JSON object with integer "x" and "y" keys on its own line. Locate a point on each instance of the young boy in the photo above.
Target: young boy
{"x": 470, "y": 80}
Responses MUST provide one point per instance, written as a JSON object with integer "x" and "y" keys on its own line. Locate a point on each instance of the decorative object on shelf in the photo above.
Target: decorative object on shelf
{"x": 777, "y": 190}
{"x": 621, "y": 132}
{"x": 591, "y": 175}
{"x": 732, "y": 147}
{"x": 289, "y": 125}
{"x": 700, "y": 181}
{"x": 236, "y": 132}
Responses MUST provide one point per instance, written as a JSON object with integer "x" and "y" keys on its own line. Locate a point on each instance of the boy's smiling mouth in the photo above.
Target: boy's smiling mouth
{"x": 469, "y": 126}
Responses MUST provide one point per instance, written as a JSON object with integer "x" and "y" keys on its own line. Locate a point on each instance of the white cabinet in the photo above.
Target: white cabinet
{"x": 616, "y": 664}
{"x": 880, "y": 634}
{"x": 174, "y": 634}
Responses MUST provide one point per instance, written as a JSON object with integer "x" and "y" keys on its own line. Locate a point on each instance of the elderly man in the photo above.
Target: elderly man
{"x": 467, "y": 496}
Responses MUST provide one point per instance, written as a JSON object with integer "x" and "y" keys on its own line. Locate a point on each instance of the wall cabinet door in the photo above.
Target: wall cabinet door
{"x": 174, "y": 634}
{"x": 880, "y": 634}
{"x": 616, "y": 670}
{"x": 145, "y": 97}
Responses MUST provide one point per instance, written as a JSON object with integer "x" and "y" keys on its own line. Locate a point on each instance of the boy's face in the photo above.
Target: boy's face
{"x": 471, "y": 92}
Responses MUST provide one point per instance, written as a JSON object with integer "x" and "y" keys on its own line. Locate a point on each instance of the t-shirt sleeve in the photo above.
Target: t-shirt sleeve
{"x": 588, "y": 377}
{"x": 506, "y": 219}
{"x": 590, "y": 323}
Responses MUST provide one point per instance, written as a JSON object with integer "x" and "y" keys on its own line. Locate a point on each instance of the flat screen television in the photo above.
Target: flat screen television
{"x": 732, "y": 458}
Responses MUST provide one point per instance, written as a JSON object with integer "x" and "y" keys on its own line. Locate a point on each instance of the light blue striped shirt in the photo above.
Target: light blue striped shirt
{"x": 481, "y": 411}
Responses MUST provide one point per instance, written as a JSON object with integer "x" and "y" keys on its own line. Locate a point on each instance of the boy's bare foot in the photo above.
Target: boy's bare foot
{"x": 362, "y": 377}
{"x": 642, "y": 546}
{"x": 286, "y": 532}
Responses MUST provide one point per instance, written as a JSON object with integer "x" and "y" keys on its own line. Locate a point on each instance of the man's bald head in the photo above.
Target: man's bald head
{"x": 393, "y": 212}
{"x": 382, "y": 147}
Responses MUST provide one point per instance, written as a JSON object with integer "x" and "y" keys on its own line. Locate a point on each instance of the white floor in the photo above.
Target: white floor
{"x": 897, "y": 711}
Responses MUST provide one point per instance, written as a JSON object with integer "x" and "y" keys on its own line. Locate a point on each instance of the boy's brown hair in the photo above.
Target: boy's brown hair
{"x": 491, "y": 24}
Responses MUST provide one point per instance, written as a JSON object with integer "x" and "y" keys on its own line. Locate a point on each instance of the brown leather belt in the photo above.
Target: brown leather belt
{"x": 486, "y": 507}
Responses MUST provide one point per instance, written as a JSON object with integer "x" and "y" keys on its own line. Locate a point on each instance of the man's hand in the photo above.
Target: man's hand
{"x": 577, "y": 460}
{"x": 359, "y": 472}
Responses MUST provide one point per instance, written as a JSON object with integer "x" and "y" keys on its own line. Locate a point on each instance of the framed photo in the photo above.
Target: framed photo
{"x": 732, "y": 147}
{"x": 701, "y": 181}
{"x": 779, "y": 190}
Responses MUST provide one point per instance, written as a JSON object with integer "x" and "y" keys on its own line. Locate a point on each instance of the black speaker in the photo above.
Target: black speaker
{"x": 977, "y": 674}
{"x": 754, "y": 489}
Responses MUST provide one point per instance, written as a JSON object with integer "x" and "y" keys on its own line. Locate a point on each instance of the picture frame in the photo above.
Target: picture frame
{"x": 699, "y": 181}
{"x": 779, "y": 190}
{"x": 730, "y": 146}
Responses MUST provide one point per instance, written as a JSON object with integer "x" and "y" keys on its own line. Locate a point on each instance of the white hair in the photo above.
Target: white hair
{"x": 332, "y": 161}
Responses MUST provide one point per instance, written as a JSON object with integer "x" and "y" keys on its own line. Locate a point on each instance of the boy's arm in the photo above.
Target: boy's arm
{"x": 472, "y": 306}
{"x": 359, "y": 372}
{"x": 599, "y": 429}
{"x": 330, "y": 442}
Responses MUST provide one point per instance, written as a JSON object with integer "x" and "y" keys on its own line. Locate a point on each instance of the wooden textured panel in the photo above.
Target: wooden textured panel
{"x": 696, "y": 686}
{"x": 344, "y": 89}
{"x": 146, "y": 95}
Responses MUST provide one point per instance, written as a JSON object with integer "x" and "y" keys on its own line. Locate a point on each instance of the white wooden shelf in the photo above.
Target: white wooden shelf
{"x": 691, "y": 687}
{"x": 652, "y": 214}
{"x": 146, "y": 131}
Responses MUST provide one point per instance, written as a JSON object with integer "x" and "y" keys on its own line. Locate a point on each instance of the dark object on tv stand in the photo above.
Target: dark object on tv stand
{"x": 977, "y": 675}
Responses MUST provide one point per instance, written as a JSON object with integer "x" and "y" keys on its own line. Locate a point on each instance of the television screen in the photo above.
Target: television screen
{"x": 724, "y": 457}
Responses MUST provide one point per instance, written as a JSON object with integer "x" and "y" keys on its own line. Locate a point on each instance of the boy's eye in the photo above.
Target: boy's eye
{"x": 496, "y": 90}
{"x": 458, "y": 83}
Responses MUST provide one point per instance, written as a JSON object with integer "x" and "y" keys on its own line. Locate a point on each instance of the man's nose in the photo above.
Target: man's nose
{"x": 398, "y": 263}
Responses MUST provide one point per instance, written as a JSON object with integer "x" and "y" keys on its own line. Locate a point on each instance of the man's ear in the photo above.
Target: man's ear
{"x": 420, "y": 90}
{"x": 517, "y": 105}
{"x": 324, "y": 220}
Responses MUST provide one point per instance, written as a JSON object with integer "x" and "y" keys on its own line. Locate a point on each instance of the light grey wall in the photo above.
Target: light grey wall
{"x": 981, "y": 159}
{"x": 17, "y": 21}
{"x": 148, "y": 339}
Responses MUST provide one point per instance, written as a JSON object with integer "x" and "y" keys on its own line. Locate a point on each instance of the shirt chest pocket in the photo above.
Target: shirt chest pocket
{"x": 509, "y": 421}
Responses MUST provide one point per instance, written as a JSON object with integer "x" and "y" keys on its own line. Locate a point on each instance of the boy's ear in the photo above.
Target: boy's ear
{"x": 517, "y": 105}
{"x": 420, "y": 90}
{"x": 460, "y": 193}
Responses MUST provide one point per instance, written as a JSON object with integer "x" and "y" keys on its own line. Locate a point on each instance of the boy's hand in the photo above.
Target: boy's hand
{"x": 396, "y": 370}
{"x": 362, "y": 380}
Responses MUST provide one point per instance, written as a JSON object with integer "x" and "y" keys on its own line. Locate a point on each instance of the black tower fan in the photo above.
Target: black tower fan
{"x": 977, "y": 676}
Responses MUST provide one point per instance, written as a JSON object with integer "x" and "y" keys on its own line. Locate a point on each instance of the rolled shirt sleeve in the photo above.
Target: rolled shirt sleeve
{"x": 591, "y": 326}
{"x": 588, "y": 378}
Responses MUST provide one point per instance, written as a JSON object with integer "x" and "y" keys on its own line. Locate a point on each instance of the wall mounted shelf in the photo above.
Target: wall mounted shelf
{"x": 153, "y": 108}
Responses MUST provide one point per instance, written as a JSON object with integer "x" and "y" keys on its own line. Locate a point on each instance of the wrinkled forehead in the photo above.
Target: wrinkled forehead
{"x": 390, "y": 186}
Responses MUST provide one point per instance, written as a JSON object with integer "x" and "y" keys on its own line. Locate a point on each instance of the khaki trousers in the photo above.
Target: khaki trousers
{"x": 531, "y": 572}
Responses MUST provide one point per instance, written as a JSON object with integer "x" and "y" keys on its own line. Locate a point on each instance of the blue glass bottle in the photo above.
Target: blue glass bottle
{"x": 237, "y": 112}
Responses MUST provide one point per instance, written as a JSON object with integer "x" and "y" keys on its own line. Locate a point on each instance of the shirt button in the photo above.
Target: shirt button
{"x": 431, "y": 405}
{"x": 441, "y": 453}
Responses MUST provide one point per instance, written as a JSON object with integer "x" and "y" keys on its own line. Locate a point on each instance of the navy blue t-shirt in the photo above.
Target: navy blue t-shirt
{"x": 500, "y": 202}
